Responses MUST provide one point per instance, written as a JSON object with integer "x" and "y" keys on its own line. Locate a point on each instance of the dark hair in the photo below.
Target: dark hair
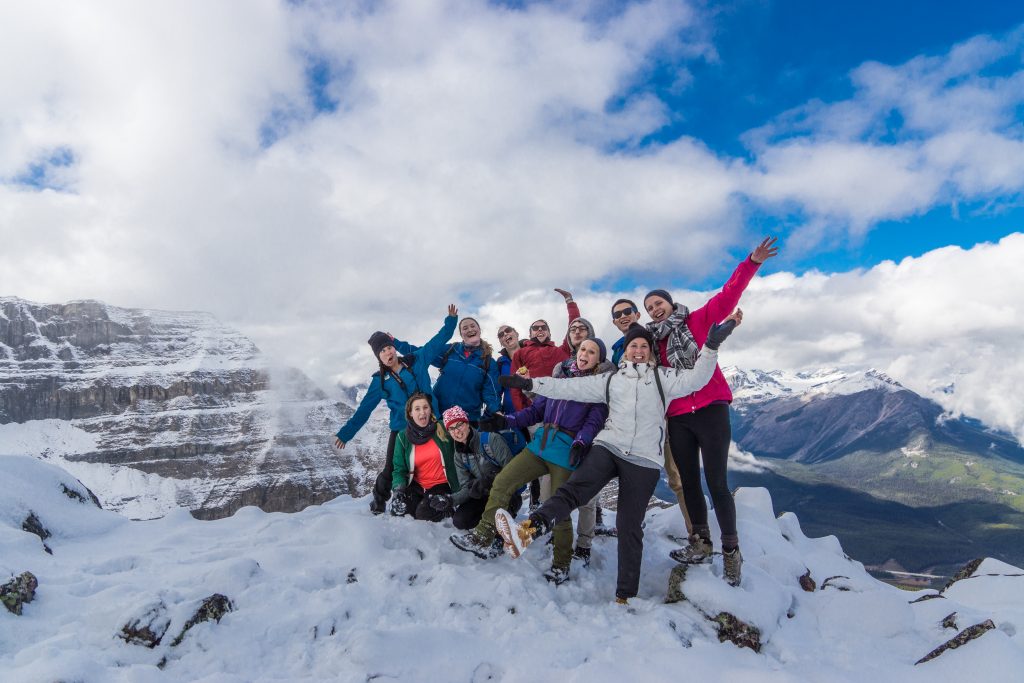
{"x": 625, "y": 301}
{"x": 441, "y": 433}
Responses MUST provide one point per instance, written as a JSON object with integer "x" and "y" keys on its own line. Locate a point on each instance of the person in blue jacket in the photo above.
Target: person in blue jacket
{"x": 508, "y": 338}
{"x": 624, "y": 314}
{"x": 469, "y": 373}
{"x": 397, "y": 379}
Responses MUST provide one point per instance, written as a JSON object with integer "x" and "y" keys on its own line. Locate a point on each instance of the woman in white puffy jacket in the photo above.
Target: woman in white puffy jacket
{"x": 629, "y": 447}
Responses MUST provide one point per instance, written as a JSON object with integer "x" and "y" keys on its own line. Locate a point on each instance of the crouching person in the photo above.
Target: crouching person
{"x": 424, "y": 476}
{"x": 558, "y": 447}
{"x": 629, "y": 447}
{"x": 479, "y": 456}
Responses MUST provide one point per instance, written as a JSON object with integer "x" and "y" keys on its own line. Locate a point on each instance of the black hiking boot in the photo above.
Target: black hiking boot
{"x": 582, "y": 554}
{"x": 557, "y": 575}
{"x": 471, "y": 543}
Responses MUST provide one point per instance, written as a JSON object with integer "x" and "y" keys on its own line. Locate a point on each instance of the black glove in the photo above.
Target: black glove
{"x": 577, "y": 452}
{"x": 441, "y": 502}
{"x": 492, "y": 423}
{"x": 719, "y": 333}
{"x": 399, "y": 502}
{"x": 516, "y": 382}
{"x": 480, "y": 486}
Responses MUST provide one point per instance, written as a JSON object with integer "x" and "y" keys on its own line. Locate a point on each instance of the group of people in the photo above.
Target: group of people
{"x": 568, "y": 418}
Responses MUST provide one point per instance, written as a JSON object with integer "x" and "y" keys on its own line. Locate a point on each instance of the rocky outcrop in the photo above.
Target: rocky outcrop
{"x": 33, "y": 526}
{"x": 149, "y": 628}
{"x": 155, "y": 410}
{"x": 19, "y": 591}
{"x": 212, "y": 608}
{"x": 962, "y": 638}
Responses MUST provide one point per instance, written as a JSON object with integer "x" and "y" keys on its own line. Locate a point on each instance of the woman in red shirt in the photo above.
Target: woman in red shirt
{"x": 424, "y": 476}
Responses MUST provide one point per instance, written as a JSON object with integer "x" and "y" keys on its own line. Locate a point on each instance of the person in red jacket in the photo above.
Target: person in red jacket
{"x": 539, "y": 355}
{"x": 698, "y": 424}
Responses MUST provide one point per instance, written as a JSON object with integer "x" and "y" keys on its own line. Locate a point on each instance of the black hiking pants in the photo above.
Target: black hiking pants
{"x": 705, "y": 434}
{"x": 382, "y": 486}
{"x": 636, "y": 486}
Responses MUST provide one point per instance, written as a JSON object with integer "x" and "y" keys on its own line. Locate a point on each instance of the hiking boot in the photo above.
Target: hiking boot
{"x": 557, "y": 575}
{"x": 621, "y": 601}
{"x": 698, "y": 551}
{"x": 378, "y": 505}
{"x": 471, "y": 543}
{"x": 602, "y": 530}
{"x": 733, "y": 564}
{"x": 516, "y": 536}
{"x": 582, "y": 554}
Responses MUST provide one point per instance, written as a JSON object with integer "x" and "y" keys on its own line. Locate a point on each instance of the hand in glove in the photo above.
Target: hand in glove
{"x": 399, "y": 502}
{"x": 480, "y": 486}
{"x": 441, "y": 502}
{"x": 719, "y": 333}
{"x": 516, "y": 382}
{"x": 577, "y": 452}
{"x": 493, "y": 423}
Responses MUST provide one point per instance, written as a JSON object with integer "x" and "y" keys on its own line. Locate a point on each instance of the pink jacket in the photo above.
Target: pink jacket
{"x": 700, "y": 321}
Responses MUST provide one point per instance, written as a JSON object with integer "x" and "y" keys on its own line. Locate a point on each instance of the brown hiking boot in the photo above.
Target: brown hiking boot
{"x": 733, "y": 565}
{"x": 698, "y": 551}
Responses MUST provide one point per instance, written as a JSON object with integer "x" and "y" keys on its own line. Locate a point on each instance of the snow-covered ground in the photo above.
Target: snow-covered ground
{"x": 333, "y": 593}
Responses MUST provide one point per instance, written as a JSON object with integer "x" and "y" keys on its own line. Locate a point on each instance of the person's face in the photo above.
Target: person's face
{"x": 508, "y": 337}
{"x": 539, "y": 331}
{"x": 577, "y": 333}
{"x": 588, "y": 356}
{"x": 627, "y": 315}
{"x": 460, "y": 431}
{"x": 420, "y": 412}
{"x": 387, "y": 355}
{"x": 470, "y": 332}
{"x": 658, "y": 308}
{"x": 638, "y": 351}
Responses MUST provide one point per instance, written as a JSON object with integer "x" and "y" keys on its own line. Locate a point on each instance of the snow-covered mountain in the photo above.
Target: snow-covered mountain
{"x": 157, "y": 410}
{"x": 332, "y": 593}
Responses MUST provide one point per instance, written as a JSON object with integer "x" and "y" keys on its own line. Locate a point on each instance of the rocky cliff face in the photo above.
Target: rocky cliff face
{"x": 154, "y": 410}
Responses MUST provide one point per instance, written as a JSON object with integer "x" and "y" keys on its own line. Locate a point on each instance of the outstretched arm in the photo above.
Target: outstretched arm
{"x": 723, "y": 303}
{"x": 362, "y": 414}
{"x": 433, "y": 348}
{"x": 583, "y": 389}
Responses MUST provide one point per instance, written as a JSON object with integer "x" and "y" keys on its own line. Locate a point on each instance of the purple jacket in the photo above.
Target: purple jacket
{"x": 583, "y": 419}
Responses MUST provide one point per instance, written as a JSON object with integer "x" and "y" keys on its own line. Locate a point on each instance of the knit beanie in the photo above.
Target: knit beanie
{"x": 637, "y": 330}
{"x": 662, "y": 293}
{"x": 454, "y": 416}
{"x": 601, "y": 348}
{"x": 379, "y": 341}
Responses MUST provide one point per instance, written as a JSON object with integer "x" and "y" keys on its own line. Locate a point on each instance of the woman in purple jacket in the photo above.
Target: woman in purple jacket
{"x": 558, "y": 447}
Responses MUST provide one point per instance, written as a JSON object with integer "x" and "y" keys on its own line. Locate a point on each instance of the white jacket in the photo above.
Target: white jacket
{"x": 636, "y": 414}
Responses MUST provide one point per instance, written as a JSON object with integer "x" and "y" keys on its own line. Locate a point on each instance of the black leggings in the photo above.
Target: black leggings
{"x": 418, "y": 502}
{"x": 382, "y": 486}
{"x": 705, "y": 434}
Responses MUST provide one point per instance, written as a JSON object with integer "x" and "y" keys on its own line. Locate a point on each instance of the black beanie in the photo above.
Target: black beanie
{"x": 379, "y": 341}
{"x": 637, "y": 330}
{"x": 662, "y": 293}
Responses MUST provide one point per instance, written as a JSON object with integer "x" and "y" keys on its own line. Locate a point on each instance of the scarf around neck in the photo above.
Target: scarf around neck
{"x": 682, "y": 347}
{"x": 420, "y": 435}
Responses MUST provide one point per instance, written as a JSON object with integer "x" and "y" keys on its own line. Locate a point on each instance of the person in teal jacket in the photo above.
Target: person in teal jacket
{"x": 469, "y": 373}
{"x": 395, "y": 381}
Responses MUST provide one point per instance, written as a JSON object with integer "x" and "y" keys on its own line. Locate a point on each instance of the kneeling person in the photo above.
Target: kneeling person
{"x": 424, "y": 476}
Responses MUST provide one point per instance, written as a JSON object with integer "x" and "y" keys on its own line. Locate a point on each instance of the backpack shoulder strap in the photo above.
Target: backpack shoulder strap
{"x": 444, "y": 357}
{"x": 657, "y": 380}
{"x": 608, "y": 386}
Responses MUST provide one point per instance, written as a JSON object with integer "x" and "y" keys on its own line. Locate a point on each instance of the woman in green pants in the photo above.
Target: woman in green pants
{"x": 558, "y": 447}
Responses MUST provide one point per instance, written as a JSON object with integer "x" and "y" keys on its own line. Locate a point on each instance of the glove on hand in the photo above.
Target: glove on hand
{"x": 516, "y": 382}
{"x": 577, "y": 452}
{"x": 480, "y": 487}
{"x": 441, "y": 502}
{"x": 719, "y": 333}
{"x": 492, "y": 423}
{"x": 399, "y": 502}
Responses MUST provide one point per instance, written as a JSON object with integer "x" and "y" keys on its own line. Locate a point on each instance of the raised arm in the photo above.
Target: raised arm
{"x": 574, "y": 312}
{"x": 362, "y": 414}
{"x": 435, "y": 347}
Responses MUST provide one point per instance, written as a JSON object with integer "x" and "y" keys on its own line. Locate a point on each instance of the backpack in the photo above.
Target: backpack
{"x": 451, "y": 347}
{"x": 657, "y": 380}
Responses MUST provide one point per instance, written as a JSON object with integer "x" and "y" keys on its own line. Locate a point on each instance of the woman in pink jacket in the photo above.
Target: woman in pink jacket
{"x": 698, "y": 424}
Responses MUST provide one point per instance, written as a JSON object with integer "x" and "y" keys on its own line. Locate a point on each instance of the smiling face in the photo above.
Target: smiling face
{"x": 540, "y": 331}
{"x": 508, "y": 338}
{"x": 627, "y": 316}
{"x": 460, "y": 431}
{"x": 470, "y": 332}
{"x": 420, "y": 412}
{"x": 589, "y": 355}
{"x": 577, "y": 333}
{"x": 657, "y": 308}
{"x": 638, "y": 351}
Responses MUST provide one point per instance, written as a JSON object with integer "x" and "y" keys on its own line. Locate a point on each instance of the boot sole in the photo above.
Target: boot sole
{"x": 507, "y": 534}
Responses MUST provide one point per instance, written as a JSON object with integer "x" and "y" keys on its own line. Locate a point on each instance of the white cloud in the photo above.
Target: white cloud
{"x": 474, "y": 156}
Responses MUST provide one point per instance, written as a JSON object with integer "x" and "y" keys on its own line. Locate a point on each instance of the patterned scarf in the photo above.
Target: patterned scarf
{"x": 682, "y": 347}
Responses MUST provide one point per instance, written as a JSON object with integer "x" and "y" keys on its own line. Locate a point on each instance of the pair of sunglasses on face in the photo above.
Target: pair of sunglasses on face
{"x": 625, "y": 311}
{"x": 506, "y": 330}
{"x": 538, "y": 328}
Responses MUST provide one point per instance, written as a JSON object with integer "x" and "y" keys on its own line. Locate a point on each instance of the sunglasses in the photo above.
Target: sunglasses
{"x": 507, "y": 330}
{"x": 538, "y": 328}
{"x": 578, "y": 328}
{"x": 623, "y": 311}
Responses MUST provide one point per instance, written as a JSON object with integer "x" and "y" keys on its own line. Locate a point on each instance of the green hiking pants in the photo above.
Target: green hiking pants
{"x": 523, "y": 469}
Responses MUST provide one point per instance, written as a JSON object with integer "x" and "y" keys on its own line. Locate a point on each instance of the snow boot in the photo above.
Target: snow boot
{"x": 697, "y": 552}
{"x": 582, "y": 554}
{"x": 733, "y": 565}
{"x": 471, "y": 543}
{"x": 557, "y": 575}
{"x": 621, "y": 601}
{"x": 599, "y": 526}
{"x": 518, "y": 536}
